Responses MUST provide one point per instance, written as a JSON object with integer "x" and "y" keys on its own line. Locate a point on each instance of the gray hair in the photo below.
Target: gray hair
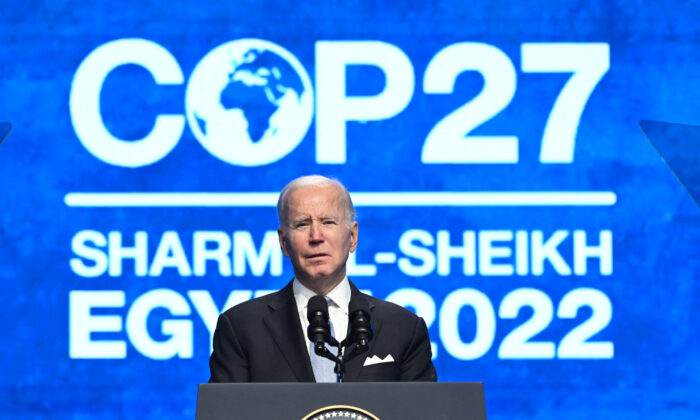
{"x": 315, "y": 180}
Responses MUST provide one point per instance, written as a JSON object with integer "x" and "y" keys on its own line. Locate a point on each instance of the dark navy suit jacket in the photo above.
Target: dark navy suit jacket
{"x": 261, "y": 340}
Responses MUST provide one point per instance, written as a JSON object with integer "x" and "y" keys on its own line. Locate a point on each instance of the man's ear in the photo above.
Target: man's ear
{"x": 353, "y": 236}
{"x": 283, "y": 242}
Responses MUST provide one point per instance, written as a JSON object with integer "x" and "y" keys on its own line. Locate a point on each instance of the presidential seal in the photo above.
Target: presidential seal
{"x": 341, "y": 412}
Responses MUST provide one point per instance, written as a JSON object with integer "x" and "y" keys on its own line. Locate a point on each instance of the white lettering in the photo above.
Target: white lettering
{"x": 335, "y": 108}
{"x": 206, "y": 308}
{"x": 542, "y": 251}
{"x": 488, "y": 251}
{"x": 118, "y": 253}
{"x": 80, "y": 247}
{"x": 219, "y": 253}
{"x": 180, "y": 330}
{"x": 582, "y": 252}
{"x": 467, "y": 252}
{"x": 355, "y": 269}
{"x": 170, "y": 254}
{"x": 83, "y": 323}
{"x": 244, "y": 250}
{"x": 521, "y": 253}
{"x": 85, "y": 110}
{"x": 426, "y": 256}
{"x": 484, "y": 331}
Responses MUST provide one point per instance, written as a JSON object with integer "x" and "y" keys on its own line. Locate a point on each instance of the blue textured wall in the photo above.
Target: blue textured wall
{"x": 655, "y": 226}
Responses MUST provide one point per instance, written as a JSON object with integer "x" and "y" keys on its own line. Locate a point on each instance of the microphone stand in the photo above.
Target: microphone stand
{"x": 321, "y": 350}
{"x": 341, "y": 358}
{"x": 340, "y": 365}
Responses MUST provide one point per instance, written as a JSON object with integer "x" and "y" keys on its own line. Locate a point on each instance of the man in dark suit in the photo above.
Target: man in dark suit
{"x": 264, "y": 340}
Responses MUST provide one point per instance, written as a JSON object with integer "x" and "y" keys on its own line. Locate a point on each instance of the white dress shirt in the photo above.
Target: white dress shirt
{"x": 339, "y": 299}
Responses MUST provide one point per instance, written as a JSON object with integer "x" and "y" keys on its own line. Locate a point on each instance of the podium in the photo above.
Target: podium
{"x": 356, "y": 401}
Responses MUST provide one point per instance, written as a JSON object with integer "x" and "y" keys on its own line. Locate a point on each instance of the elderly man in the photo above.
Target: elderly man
{"x": 264, "y": 340}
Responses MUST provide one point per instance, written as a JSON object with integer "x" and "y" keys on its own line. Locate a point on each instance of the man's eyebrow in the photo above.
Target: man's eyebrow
{"x": 309, "y": 218}
{"x": 300, "y": 219}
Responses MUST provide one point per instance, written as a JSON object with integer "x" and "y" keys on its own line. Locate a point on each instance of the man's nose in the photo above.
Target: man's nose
{"x": 315, "y": 233}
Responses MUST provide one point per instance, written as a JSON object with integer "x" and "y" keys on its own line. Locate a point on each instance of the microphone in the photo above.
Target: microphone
{"x": 319, "y": 331}
{"x": 360, "y": 327}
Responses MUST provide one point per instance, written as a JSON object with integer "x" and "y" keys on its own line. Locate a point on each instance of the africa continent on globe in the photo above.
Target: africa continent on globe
{"x": 256, "y": 87}
{"x": 249, "y": 102}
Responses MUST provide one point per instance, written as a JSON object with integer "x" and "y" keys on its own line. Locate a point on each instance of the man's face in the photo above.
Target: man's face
{"x": 317, "y": 236}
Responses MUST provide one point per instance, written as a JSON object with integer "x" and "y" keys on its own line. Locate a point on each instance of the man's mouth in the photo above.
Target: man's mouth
{"x": 316, "y": 256}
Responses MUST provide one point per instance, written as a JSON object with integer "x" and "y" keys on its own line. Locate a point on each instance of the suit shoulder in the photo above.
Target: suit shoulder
{"x": 253, "y": 307}
{"x": 391, "y": 309}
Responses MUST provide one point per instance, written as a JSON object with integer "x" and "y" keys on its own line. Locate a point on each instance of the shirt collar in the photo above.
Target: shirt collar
{"x": 340, "y": 295}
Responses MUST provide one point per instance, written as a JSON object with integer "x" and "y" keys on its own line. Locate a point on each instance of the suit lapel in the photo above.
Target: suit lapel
{"x": 285, "y": 328}
{"x": 353, "y": 367}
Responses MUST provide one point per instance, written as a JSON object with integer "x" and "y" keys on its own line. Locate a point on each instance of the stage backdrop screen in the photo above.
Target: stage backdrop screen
{"x": 503, "y": 188}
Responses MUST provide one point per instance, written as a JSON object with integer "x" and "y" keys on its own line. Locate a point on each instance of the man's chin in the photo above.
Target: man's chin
{"x": 322, "y": 277}
{"x": 321, "y": 272}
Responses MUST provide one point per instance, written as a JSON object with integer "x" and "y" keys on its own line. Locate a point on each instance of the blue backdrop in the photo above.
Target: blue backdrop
{"x": 504, "y": 192}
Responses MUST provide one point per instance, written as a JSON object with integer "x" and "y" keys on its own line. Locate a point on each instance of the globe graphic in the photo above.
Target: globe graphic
{"x": 249, "y": 102}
